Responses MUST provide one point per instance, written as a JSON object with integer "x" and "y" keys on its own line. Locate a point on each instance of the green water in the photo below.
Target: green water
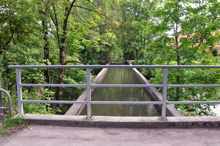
{"x": 122, "y": 76}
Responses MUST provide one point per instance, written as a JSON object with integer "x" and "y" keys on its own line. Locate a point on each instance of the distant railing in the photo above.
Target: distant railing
{"x": 88, "y": 85}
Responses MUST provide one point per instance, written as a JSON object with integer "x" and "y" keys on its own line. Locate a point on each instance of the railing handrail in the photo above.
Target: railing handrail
{"x": 113, "y": 66}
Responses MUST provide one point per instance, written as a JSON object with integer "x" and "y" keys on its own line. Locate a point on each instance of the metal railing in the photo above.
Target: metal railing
{"x": 88, "y": 85}
{"x": 10, "y": 108}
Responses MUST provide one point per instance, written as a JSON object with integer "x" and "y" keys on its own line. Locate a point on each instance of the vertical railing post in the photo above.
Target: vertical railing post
{"x": 165, "y": 90}
{"x": 88, "y": 90}
{"x": 19, "y": 91}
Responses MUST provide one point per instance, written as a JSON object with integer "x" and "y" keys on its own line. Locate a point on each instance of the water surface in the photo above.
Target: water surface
{"x": 122, "y": 76}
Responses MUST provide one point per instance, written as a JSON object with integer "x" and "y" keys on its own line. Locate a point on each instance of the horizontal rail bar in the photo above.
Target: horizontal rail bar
{"x": 118, "y": 102}
{"x": 114, "y": 66}
{"x": 52, "y": 101}
{"x": 92, "y": 102}
{"x": 193, "y": 85}
{"x": 53, "y": 85}
{"x": 193, "y": 102}
{"x": 123, "y": 85}
{"x": 128, "y": 102}
{"x": 155, "y": 85}
{"x": 3, "y": 107}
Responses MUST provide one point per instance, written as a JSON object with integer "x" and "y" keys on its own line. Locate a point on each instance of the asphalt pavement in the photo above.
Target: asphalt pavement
{"x": 76, "y": 136}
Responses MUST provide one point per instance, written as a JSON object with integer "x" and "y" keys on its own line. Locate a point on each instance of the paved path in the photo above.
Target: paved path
{"x": 72, "y": 136}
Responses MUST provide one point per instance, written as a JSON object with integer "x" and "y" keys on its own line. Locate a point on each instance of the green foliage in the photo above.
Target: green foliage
{"x": 103, "y": 31}
{"x": 10, "y": 123}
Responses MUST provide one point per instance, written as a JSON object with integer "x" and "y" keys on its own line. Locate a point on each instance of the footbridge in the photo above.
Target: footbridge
{"x": 118, "y": 96}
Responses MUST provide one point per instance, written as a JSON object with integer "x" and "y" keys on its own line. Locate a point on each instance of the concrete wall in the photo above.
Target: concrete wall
{"x": 156, "y": 96}
{"x": 76, "y": 109}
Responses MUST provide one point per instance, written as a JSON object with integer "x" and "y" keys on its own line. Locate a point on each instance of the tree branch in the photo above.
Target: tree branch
{"x": 56, "y": 23}
{"x": 67, "y": 14}
{"x": 89, "y": 9}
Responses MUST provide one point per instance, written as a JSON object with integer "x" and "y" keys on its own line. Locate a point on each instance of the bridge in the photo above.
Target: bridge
{"x": 149, "y": 112}
{"x": 93, "y": 108}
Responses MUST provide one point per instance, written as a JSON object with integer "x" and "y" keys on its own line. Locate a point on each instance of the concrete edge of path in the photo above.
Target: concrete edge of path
{"x": 123, "y": 122}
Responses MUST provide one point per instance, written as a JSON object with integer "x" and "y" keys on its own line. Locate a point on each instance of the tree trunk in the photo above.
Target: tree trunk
{"x": 62, "y": 38}
{"x": 62, "y": 54}
{"x": 62, "y": 58}
{"x": 46, "y": 48}
{"x": 178, "y": 61}
{"x": 124, "y": 33}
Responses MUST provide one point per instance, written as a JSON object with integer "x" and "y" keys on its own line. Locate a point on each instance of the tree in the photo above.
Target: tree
{"x": 44, "y": 6}
{"x": 60, "y": 22}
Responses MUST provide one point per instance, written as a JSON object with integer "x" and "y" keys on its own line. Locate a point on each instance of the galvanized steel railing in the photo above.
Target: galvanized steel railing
{"x": 10, "y": 108}
{"x": 88, "y": 85}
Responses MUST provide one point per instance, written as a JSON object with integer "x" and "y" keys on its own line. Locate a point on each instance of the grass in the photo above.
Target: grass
{"x": 10, "y": 125}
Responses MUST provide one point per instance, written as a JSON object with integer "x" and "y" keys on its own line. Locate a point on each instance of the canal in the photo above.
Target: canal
{"x": 121, "y": 76}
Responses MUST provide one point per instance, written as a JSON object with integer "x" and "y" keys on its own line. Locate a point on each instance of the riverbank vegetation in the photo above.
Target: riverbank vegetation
{"x": 103, "y": 31}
